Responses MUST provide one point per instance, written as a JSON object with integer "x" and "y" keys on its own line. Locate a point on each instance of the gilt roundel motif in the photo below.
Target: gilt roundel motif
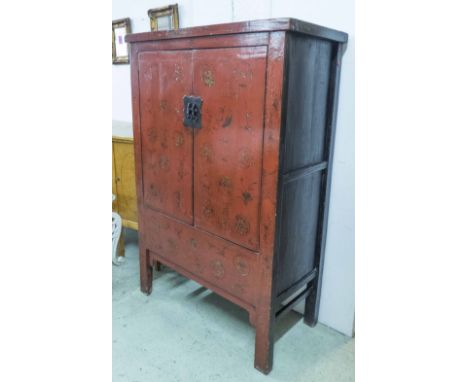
{"x": 241, "y": 266}
{"x": 241, "y": 225}
{"x": 217, "y": 268}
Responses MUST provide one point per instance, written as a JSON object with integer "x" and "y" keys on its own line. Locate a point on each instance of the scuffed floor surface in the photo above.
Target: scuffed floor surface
{"x": 185, "y": 333}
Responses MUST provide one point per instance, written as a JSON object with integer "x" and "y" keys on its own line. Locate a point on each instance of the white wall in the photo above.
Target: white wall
{"x": 337, "y": 303}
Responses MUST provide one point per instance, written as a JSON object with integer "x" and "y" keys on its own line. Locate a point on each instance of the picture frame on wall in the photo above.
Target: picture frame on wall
{"x": 120, "y": 28}
{"x": 164, "y": 18}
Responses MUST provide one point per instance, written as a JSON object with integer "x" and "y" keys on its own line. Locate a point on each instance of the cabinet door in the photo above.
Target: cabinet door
{"x": 167, "y": 146}
{"x": 228, "y": 146}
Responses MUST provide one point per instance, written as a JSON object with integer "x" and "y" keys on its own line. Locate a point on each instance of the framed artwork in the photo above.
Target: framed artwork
{"x": 120, "y": 28}
{"x": 164, "y": 18}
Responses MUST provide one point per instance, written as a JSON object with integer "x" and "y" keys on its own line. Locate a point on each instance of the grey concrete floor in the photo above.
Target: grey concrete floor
{"x": 184, "y": 332}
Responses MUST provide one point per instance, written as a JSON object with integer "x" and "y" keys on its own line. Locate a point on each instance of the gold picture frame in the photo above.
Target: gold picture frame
{"x": 120, "y": 53}
{"x": 165, "y": 18}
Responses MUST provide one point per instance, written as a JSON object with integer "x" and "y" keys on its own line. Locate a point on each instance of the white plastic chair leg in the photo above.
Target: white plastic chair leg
{"x": 116, "y": 232}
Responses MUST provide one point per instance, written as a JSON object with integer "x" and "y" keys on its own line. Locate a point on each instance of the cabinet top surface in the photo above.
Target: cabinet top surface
{"x": 268, "y": 25}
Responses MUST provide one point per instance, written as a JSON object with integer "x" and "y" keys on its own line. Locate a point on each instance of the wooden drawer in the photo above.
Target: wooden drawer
{"x": 218, "y": 264}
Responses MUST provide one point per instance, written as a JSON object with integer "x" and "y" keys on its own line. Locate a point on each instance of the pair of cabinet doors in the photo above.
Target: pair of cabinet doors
{"x": 208, "y": 174}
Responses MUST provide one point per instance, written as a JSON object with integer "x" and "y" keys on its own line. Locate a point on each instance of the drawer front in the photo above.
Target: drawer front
{"x": 223, "y": 264}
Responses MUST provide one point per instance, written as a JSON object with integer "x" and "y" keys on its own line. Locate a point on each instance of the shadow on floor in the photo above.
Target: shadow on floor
{"x": 225, "y": 307}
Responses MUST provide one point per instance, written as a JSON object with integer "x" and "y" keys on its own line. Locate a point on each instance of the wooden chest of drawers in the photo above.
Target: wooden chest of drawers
{"x": 123, "y": 181}
{"x": 234, "y": 129}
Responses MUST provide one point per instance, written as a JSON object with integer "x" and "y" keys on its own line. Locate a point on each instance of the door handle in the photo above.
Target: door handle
{"x": 192, "y": 111}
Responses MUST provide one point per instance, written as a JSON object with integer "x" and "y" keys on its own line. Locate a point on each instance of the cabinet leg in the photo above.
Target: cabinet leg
{"x": 264, "y": 344}
{"x": 158, "y": 266}
{"x": 311, "y": 311}
{"x": 146, "y": 272}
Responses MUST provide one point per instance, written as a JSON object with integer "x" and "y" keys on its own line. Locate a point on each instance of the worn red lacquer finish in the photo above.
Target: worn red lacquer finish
{"x": 210, "y": 130}
{"x": 218, "y": 262}
{"x": 167, "y": 146}
{"x": 231, "y": 83}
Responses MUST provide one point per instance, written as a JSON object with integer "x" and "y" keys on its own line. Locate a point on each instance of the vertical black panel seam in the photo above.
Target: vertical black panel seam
{"x": 332, "y": 104}
{"x": 325, "y": 174}
{"x": 319, "y": 255}
{"x": 327, "y": 141}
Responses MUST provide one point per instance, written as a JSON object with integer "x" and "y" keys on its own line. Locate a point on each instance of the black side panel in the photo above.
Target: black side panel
{"x": 309, "y": 72}
{"x": 299, "y": 229}
{"x": 303, "y": 160}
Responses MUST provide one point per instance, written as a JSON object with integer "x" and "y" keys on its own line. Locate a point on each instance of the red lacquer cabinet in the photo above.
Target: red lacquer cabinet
{"x": 234, "y": 128}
